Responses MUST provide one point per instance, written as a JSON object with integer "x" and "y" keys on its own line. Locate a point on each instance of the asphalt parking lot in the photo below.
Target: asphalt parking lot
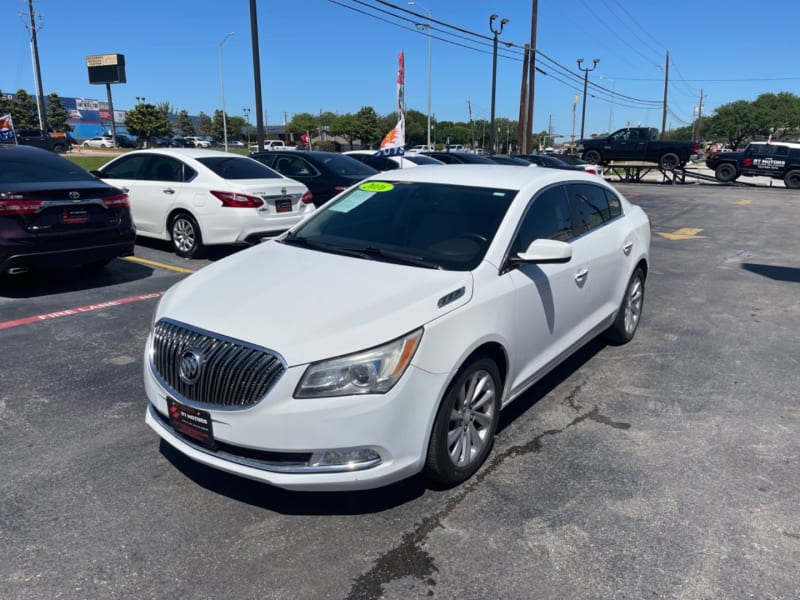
{"x": 666, "y": 468}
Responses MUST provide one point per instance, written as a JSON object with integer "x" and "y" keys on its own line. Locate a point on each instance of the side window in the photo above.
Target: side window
{"x": 548, "y": 217}
{"x": 780, "y": 151}
{"x": 292, "y": 166}
{"x": 164, "y": 168}
{"x": 128, "y": 167}
{"x": 614, "y": 204}
{"x": 590, "y": 204}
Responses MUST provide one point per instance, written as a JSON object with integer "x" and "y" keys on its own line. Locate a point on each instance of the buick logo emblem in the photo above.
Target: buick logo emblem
{"x": 283, "y": 191}
{"x": 74, "y": 195}
{"x": 191, "y": 363}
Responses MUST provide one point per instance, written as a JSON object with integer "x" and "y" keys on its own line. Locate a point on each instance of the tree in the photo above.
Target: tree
{"x": 302, "y": 122}
{"x": 147, "y": 120}
{"x": 24, "y": 111}
{"x": 367, "y": 127}
{"x": 416, "y": 127}
{"x": 203, "y": 126}
{"x": 217, "y": 131}
{"x": 57, "y": 114}
{"x": 184, "y": 124}
{"x": 777, "y": 114}
{"x": 346, "y": 126}
{"x": 735, "y": 121}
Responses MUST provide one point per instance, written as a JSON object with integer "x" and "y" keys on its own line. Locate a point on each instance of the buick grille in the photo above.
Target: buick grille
{"x": 204, "y": 367}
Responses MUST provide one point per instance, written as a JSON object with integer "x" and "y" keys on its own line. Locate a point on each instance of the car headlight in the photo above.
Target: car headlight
{"x": 373, "y": 371}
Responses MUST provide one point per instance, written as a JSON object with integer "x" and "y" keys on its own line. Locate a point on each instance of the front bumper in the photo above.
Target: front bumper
{"x": 274, "y": 440}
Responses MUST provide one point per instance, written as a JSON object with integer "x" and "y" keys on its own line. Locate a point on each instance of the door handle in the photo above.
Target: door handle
{"x": 580, "y": 276}
{"x": 627, "y": 247}
{"x": 169, "y": 191}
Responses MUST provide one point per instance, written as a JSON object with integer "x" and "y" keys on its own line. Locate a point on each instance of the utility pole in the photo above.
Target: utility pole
{"x": 666, "y": 84}
{"x": 531, "y": 75}
{"x": 496, "y": 33}
{"x": 699, "y": 114}
{"x": 585, "y": 88}
{"x": 522, "y": 124}
{"x": 257, "y": 75}
{"x": 37, "y": 69}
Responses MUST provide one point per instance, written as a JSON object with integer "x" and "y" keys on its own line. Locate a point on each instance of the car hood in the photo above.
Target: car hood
{"x": 308, "y": 305}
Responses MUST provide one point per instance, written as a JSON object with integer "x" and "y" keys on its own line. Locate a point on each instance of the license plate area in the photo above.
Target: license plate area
{"x": 191, "y": 422}
{"x": 283, "y": 205}
{"x": 74, "y": 216}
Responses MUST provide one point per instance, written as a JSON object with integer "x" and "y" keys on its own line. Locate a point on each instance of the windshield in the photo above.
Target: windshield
{"x": 425, "y": 224}
{"x": 238, "y": 167}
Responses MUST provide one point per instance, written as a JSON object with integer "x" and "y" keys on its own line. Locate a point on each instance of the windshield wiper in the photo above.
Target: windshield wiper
{"x": 391, "y": 256}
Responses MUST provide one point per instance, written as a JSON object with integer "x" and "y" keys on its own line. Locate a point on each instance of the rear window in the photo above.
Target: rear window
{"x": 238, "y": 167}
{"x": 26, "y": 167}
{"x": 345, "y": 165}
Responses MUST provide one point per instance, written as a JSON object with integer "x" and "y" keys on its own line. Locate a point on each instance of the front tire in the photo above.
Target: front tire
{"x": 187, "y": 241}
{"x": 463, "y": 432}
{"x": 792, "y": 179}
{"x": 630, "y": 311}
{"x": 725, "y": 172}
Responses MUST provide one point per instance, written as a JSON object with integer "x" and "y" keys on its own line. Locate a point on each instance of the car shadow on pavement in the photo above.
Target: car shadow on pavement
{"x": 550, "y": 381}
{"x": 45, "y": 282}
{"x": 790, "y": 274}
{"x": 212, "y": 253}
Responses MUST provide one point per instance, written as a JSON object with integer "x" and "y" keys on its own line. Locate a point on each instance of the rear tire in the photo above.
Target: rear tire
{"x": 630, "y": 311}
{"x": 725, "y": 172}
{"x": 187, "y": 241}
{"x": 792, "y": 179}
{"x": 592, "y": 156}
{"x": 463, "y": 432}
{"x": 669, "y": 162}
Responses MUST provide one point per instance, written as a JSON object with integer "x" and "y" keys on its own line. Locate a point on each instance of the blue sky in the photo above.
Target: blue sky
{"x": 340, "y": 55}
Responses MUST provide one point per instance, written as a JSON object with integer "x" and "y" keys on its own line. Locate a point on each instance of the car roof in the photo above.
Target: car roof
{"x": 186, "y": 152}
{"x": 490, "y": 175}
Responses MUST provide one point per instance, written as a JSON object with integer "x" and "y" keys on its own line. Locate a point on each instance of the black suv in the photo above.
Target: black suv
{"x": 779, "y": 160}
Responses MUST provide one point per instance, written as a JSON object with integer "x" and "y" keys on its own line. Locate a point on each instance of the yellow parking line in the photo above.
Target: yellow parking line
{"x": 153, "y": 263}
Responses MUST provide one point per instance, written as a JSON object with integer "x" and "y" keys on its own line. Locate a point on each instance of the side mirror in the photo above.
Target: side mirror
{"x": 543, "y": 251}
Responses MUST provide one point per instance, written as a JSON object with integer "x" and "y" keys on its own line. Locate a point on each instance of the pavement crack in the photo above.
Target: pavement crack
{"x": 409, "y": 558}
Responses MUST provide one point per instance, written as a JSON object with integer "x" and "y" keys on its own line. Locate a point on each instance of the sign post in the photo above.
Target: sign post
{"x": 107, "y": 69}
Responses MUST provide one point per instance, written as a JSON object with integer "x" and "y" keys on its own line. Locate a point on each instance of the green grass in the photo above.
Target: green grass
{"x": 88, "y": 162}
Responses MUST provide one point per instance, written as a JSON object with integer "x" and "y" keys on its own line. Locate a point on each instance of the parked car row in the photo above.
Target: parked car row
{"x": 434, "y": 316}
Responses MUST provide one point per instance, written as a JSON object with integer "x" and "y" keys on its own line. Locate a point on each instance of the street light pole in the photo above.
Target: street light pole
{"x": 430, "y": 24}
{"x": 585, "y": 87}
{"x": 222, "y": 90}
{"x": 496, "y": 33}
{"x": 246, "y": 112}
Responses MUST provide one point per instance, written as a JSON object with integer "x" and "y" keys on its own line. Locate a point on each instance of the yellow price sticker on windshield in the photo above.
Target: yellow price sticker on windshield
{"x": 376, "y": 186}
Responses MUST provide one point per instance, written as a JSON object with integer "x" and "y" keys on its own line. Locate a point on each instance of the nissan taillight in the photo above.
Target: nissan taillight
{"x": 307, "y": 198}
{"x": 237, "y": 200}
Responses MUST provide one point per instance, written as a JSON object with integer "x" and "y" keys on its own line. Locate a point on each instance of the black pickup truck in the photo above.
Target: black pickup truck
{"x": 57, "y": 142}
{"x": 779, "y": 160}
{"x": 638, "y": 144}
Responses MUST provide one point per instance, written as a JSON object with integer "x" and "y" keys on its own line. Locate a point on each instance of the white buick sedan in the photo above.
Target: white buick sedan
{"x": 395, "y": 323}
{"x": 196, "y": 198}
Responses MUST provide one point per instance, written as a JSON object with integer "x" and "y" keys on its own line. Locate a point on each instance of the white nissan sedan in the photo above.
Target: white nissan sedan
{"x": 396, "y": 322}
{"x": 196, "y": 198}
